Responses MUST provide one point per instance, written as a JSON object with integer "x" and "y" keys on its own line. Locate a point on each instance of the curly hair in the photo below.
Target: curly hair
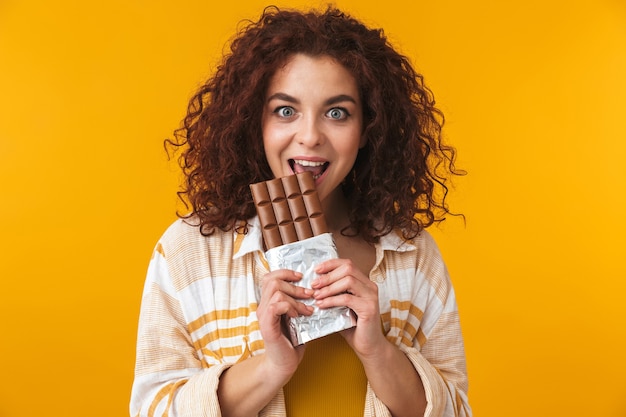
{"x": 399, "y": 178}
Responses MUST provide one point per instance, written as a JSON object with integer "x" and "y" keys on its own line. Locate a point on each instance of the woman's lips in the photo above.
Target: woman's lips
{"x": 317, "y": 168}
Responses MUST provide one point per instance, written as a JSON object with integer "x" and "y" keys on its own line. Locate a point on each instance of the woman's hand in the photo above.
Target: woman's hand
{"x": 279, "y": 297}
{"x": 341, "y": 283}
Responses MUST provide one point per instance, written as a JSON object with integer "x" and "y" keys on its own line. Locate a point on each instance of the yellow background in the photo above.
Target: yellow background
{"x": 535, "y": 98}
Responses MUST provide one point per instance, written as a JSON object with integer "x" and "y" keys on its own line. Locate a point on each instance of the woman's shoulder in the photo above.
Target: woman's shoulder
{"x": 422, "y": 243}
{"x": 425, "y": 241}
{"x": 185, "y": 234}
{"x": 420, "y": 251}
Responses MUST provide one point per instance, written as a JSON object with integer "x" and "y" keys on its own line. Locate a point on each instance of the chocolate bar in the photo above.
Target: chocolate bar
{"x": 289, "y": 209}
{"x": 296, "y": 237}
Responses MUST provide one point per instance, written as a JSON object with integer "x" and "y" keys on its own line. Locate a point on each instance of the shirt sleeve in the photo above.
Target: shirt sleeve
{"x": 170, "y": 379}
{"x": 436, "y": 348}
{"x": 441, "y": 366}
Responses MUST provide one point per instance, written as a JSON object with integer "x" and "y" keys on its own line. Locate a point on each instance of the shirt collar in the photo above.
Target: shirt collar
{"x": 395, "y": 242}
{"x": 249, "y": 242}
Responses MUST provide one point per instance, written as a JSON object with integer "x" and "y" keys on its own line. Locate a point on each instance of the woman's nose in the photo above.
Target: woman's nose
{"x": 311, "y": 133}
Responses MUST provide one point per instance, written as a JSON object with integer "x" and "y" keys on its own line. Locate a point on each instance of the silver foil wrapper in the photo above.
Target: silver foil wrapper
{"x": 303, "y": 256}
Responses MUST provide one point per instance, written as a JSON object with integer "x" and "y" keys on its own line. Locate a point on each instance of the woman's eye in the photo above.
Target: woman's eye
{"x": 337, "y": 114}
{"x": 285, "y": 111}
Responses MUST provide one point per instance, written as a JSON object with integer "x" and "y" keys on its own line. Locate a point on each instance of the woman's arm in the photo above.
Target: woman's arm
{"x": 169, "y": 375}
{"x": 389, "y": 372}
{"x": 395, "y": 381}
{"x": 248, "y": 386}
{"x": 409, "y": 380}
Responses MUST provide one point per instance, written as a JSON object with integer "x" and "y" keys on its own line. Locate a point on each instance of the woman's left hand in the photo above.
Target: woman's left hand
{"x": 340, "y": 283}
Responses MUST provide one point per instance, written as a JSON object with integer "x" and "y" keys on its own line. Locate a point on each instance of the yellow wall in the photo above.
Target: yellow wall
{"x": 535, "y": 98}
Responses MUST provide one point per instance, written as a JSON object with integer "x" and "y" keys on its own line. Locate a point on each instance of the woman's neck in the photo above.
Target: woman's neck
{"x": 336, "y": 211}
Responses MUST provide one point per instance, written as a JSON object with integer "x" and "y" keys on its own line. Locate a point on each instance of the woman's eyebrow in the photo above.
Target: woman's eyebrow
{"x": 339, "y": 99}
{"x": 330, "y": 101}
{"x": 283, "y": 97}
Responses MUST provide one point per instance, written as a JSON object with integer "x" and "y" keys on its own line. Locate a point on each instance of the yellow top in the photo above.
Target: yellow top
{"x": 330, "y": 381}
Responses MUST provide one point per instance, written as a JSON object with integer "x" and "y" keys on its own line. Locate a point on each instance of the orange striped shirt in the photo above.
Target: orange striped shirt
{"x": 198, "y": 317}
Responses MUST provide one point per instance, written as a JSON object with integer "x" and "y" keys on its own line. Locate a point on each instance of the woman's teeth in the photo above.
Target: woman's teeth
{"x": 316, "y": 168}
{"x": 305, "y": 163}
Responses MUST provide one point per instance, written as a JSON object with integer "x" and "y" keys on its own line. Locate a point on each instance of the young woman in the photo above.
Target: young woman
{"x": 320, "y": 92}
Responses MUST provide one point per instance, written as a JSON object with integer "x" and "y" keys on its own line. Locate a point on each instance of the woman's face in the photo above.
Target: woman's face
{"x": 313, "y": 121}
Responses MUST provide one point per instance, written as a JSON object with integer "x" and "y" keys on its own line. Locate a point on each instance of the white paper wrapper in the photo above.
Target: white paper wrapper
{"x": 303, "y": 256}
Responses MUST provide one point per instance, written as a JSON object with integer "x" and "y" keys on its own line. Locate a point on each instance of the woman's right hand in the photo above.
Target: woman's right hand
{"x": 279, "y": 297}
{"x": 248, "y": 386}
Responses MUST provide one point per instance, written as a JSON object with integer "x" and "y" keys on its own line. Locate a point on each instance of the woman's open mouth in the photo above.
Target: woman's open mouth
{"x": 317, "y": 168}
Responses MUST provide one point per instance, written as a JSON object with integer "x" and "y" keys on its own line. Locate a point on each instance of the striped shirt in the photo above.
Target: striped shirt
{"x": 198, "y": 317}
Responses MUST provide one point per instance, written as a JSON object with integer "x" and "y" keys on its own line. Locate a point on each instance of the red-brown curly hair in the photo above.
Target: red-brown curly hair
{"x": 399, "y": 178}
